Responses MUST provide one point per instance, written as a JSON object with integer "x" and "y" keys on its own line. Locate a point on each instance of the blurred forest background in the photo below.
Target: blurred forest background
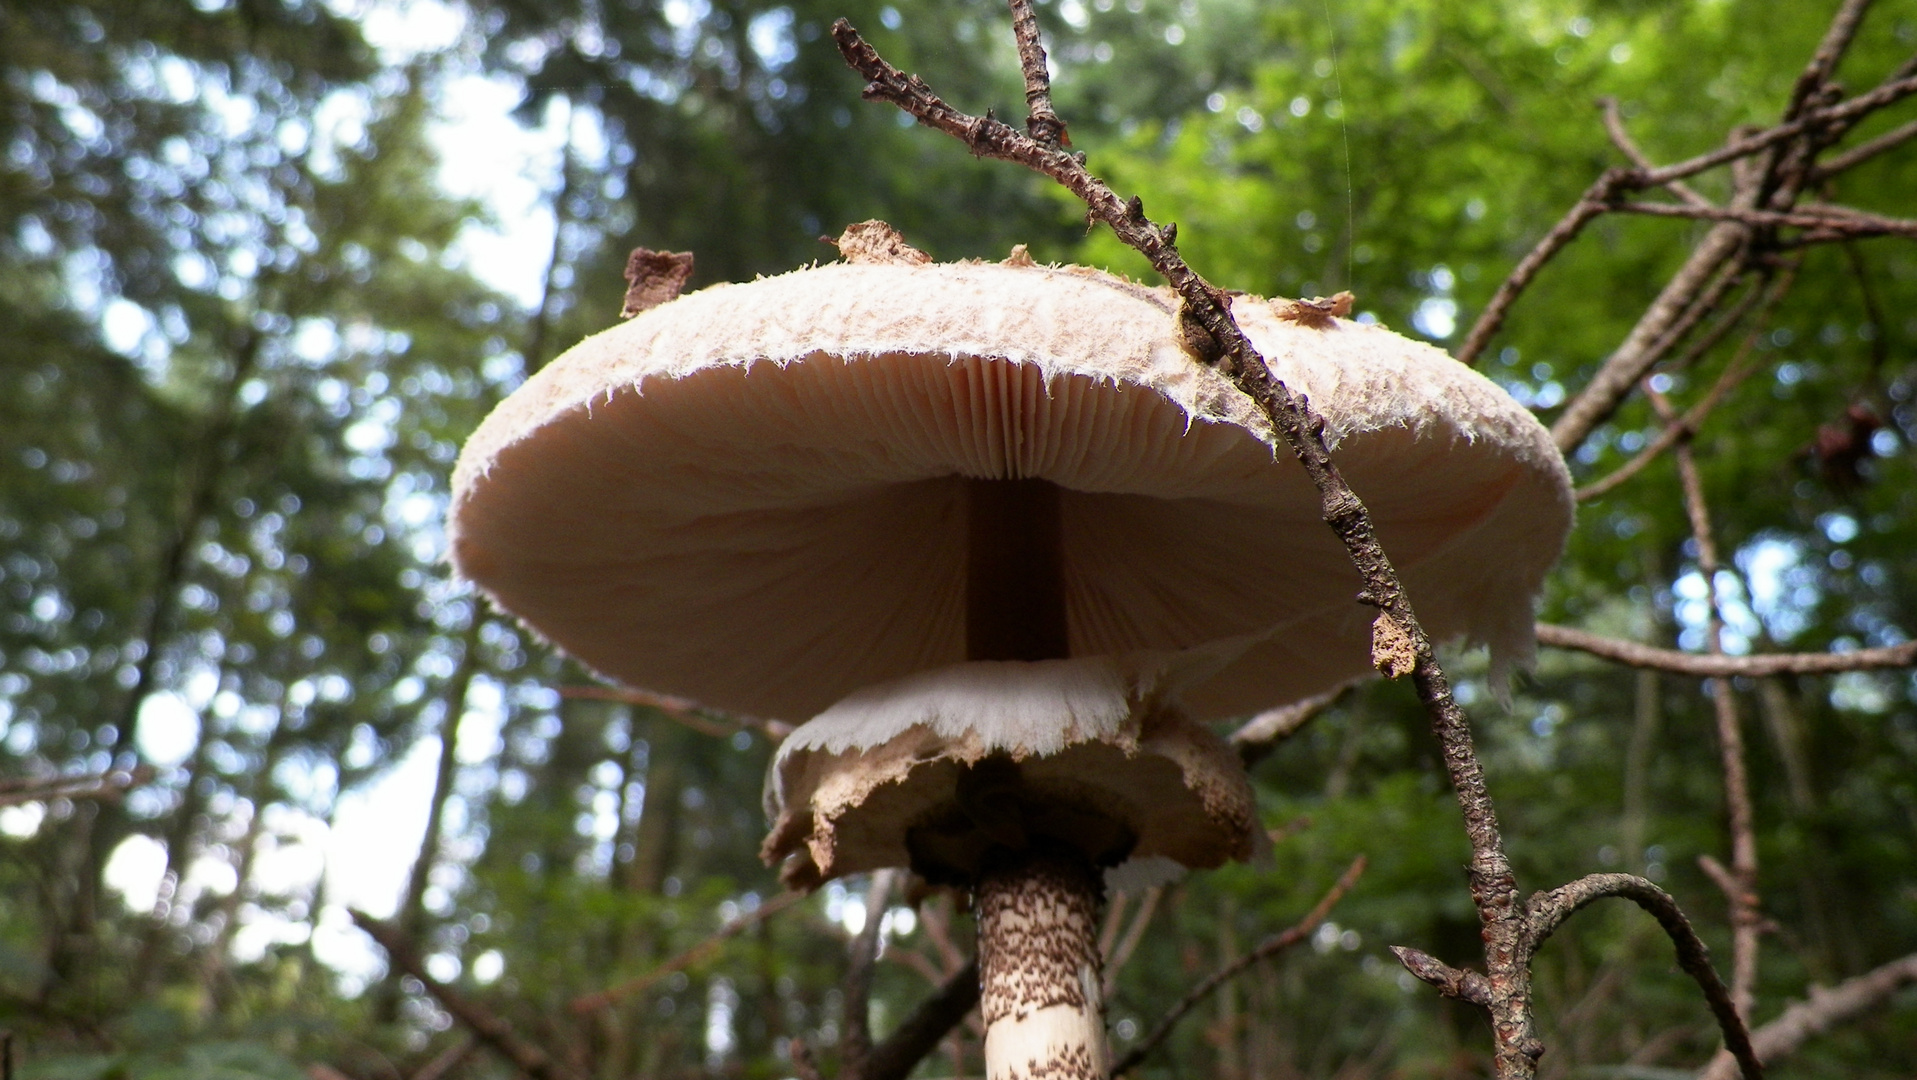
{"x": 239, "y": 352}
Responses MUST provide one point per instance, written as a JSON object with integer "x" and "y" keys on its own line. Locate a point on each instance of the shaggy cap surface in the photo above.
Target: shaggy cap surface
{"x": 753, "y": 496}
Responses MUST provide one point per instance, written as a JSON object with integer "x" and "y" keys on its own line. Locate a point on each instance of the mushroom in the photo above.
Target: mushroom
{"x": 1011, "y": 548}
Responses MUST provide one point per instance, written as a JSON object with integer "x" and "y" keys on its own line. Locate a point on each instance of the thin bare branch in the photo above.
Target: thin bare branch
{"x": 1845, "y": 113}
{"x": 1621, "y": 138}
{"x": 1261, "y": 734}
{"x": 1459, "y": 983}
{"x": 1823, "y": 62}
{"x": 600, "y": 999}
{"x": 1548, "y": 910}
{"x": 1595, "y": 200}
{"x": 1864, "y": 151}
{"x": 1827, "y": 122}
{"x": 1042, "y": 124}
{"x": 683, "y": 711}
{"x": 443, "y": 1063}
{"x": 1741, "y": 892}
{"x": 1116, "y": 959}
{"x": 1823, "y": 221}
{"x": 1265, "y": 949}
{"x": 1709, "y": 272}
{"x": 1821, "y": 1011}
{"x": 1707, "y": 667}
{"x": 486, "y": 1025}
{"x": 855, "y": 1045}
{"x": 1735, "y": 372}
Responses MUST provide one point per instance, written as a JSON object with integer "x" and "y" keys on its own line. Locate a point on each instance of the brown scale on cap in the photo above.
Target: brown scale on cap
{"x": 877, "y": 242}
{"x": 654, "y": 278}
{"x": 1318, "y": 313}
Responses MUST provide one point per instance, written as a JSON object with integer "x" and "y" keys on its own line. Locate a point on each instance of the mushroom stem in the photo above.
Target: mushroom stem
{"x": 1040, "y": 987}
{"x": 1040, "y": 991}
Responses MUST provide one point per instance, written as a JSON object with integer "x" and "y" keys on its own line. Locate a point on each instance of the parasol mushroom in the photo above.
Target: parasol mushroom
{"x": 1010, "y": 548}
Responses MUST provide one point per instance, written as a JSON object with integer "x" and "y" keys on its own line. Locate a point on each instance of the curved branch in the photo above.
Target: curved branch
{"x": 1721, "y": 667}
{"x": 1548, "y": 910}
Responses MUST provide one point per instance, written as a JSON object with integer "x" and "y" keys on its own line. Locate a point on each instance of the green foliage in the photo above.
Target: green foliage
{"x": 239, "y": 357}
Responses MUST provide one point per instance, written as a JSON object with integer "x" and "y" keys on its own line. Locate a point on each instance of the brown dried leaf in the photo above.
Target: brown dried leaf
{"x": 1317, "y": 312}
{"x": 876, "y": 242}
{"x": 654, "y": 277}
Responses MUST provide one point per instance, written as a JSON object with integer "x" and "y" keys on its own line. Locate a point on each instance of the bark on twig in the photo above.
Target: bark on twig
{"x": 1264, "y": 950}
{"x": 1458, "y": 983}
{"x": 487, "y": 1026}
{"x": 1703, "y": 666}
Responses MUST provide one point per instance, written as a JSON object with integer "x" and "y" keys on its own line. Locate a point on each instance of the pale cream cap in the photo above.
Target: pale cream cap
{"x": 751, "y": 496}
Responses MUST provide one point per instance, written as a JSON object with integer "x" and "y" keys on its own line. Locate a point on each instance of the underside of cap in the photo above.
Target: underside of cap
{"x": 937, "y": 770}
{"x": 754, "y": 496}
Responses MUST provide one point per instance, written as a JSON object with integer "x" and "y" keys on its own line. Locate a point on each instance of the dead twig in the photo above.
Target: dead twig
{"x": 1819, "y": 1012}
{"x": 487, "y": 1026}
{"x": 1265, "y": 949}
{"x": 1595, "y": 200}
{"x": 600, "y": 999}
{"x": 1735, "y": 372}
{"x": 1704, "y": 666}
{"x": 1261, "y": 734}
{"x": 1823, "y": 223}
{"x": 1621, "y": 138}
{"x": 1459, "y": 983}
{"x": 1863, "y": 152}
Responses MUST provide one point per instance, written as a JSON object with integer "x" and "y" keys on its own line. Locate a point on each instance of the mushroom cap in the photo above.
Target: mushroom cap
{"x": 753, "y": 496}
{"x": 933, "y": 770}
